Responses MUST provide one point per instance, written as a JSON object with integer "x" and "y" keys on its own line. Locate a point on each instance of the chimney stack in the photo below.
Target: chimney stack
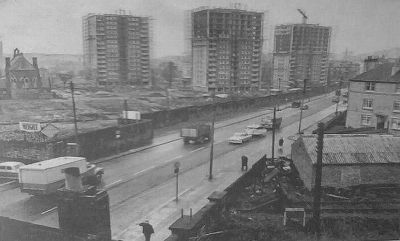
{"x": 73, "y": 180}
{"x": 34, "y": 62}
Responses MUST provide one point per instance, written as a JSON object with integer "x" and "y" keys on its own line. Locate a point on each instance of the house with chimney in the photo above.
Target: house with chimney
{"x": 23, "y": 79}
{"x": 374, "y": 99}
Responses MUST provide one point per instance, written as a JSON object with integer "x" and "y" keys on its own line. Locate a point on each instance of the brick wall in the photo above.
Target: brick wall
{"x": 170, "y": 117}
{"x": 303, "y": 163}
{"x": 24, "y": 151}
{"x": 342, "y": 175}
{"x": 349, "y": 175}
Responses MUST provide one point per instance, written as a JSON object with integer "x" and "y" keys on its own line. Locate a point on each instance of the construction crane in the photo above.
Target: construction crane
{"x": 304, "y": 15}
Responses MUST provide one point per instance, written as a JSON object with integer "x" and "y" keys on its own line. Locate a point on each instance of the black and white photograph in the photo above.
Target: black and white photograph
{"x": 199, "y": 120}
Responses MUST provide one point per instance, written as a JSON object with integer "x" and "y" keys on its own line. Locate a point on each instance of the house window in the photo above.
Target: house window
{"x": 370, "y": 86}
{"x": 396, "y": 123}
{"x": 367, "y": 104}
{"x": 396, "y": 106}
{"x": 366, "y": 120}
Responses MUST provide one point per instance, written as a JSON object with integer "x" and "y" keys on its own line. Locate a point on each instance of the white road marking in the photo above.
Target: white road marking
{"x": 198, "y": 149}
{"x": 149, "y": 168}
{"x": 50, "y": 210}
{"x": 170, "y": 160}
{"x": 113, "y": 183}
{"x": 3, "y": 184}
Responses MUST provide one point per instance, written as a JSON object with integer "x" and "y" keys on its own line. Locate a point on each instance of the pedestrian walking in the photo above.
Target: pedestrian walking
{"x": 280, "y": 149}
{"x": 244, "y": 163}
{"x": 147, "y": 229}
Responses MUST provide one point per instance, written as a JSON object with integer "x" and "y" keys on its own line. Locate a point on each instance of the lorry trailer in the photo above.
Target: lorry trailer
{"x": 46, "y": 177}
{"x": 197, "y": 133}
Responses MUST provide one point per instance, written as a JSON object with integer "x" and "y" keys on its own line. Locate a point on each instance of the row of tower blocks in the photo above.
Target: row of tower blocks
{"x": 226, "y": 49}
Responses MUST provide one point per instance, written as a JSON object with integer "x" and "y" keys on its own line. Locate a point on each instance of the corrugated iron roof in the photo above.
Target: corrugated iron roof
{"x": 354, "y": 149}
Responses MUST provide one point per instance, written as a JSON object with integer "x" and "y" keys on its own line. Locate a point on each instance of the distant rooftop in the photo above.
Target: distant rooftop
{"x": 382, "y": 73}
{"x": 354, "y": 149}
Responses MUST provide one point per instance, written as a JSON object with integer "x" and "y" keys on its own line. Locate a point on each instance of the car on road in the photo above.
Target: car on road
{"x": 296, "y": 104}
{"x": 256, "y": 130}
{"x": 335, "y": 99}
{"x": 240, "y": 138}
{"x": 304, "y": 107}
{"x": 10, "y": 169}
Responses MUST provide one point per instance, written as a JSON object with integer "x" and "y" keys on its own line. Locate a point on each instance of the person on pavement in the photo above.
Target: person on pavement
{"x": 147, "y": 229}
{"x": 280, "y": 150}
{"x": 244, "y": 163}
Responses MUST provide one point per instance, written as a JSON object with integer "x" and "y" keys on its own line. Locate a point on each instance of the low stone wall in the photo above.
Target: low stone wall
{"x": 174, "y": 116}
{"x": 190, "y": 226}
{"x": 94, "y": 144}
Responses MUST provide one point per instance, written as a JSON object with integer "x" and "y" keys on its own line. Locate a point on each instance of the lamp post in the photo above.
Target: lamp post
{"x": 71, "y": 85}
{"x": 212, "y": 136}
{"x": 273, "y": 134}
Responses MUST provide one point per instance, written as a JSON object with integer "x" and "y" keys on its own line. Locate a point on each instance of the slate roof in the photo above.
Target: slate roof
{"x": 354, "y": 149}
{"x": 19, "y": 62}
{"x": 382, "y": 73}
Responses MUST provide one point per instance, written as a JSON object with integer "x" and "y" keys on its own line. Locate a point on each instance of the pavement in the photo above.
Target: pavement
{"x": 195, "y": 187}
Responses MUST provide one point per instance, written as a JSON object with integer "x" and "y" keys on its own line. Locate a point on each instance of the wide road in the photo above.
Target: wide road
{"x": 142, "y": 184}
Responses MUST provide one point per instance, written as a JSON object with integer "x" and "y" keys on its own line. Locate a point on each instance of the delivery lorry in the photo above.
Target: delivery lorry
{"x": 267, "y": 123}
{"x": 196, "y": 133}
{"x": 46, "y": 177}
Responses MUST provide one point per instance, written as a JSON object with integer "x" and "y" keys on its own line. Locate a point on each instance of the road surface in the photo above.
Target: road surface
{"x": 141, "y": 185}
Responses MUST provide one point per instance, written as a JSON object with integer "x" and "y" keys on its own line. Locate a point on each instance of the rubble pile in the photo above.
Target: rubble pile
{"x": 355, "y": 213}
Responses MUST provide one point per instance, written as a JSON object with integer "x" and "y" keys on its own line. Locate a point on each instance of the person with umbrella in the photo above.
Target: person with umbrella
{"x": 147, "y": 229}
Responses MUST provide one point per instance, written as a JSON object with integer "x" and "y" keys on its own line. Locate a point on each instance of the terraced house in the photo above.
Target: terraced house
{"x": 374, "y": 99}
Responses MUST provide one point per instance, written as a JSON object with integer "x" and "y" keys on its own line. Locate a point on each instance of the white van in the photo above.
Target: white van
{"x": 10, "y": 169}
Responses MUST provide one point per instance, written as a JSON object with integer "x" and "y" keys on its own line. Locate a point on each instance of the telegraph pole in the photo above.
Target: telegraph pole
{"x": 71, "y": 85}
{"x": 273, "y": 134}
{"x": 318, "y": 178}
{"x": 212, "y": 137}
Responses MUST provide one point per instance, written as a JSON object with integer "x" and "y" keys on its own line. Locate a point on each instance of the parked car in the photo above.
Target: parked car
{"x": 10, "y": 169}
{"x": 296, "y": 104}
{"x": 239, "y": 138}
{"x": 335, "y": 99}
{"x": 256, "y": 130}
{"x": 304, "y": 107}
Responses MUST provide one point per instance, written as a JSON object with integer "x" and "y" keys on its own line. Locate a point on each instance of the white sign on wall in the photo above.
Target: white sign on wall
{"x": 132, "y": 115}
{"x": 29, "y": 126}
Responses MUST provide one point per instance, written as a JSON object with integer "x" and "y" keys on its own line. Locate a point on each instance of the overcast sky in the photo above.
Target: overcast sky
{"x": 55, "y": 26}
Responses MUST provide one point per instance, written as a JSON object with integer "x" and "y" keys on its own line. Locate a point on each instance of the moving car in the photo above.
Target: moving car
{"x": 239, "y": 138}
{"x": 304, "y": 107}
{"x": 256, "y": 130}
{"x": 10, "y": 169}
